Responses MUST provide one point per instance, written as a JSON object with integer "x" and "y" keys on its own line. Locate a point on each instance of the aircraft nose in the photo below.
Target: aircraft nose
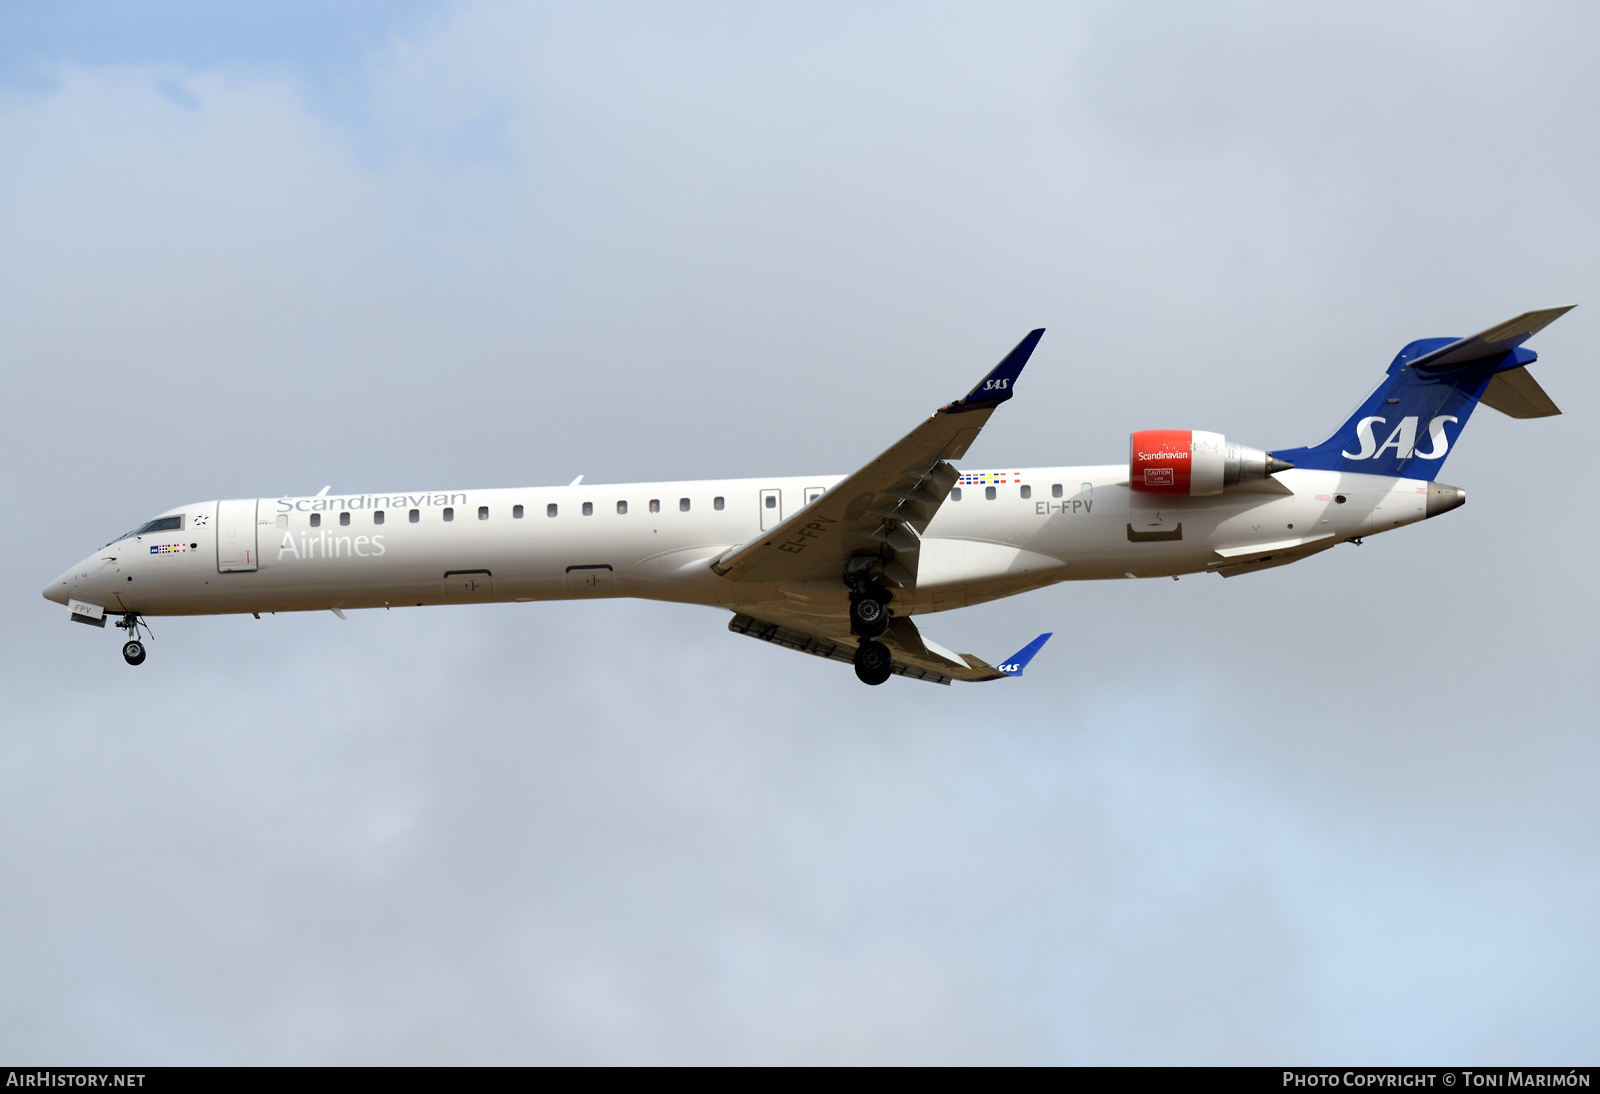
{"x": 59, "y": 590}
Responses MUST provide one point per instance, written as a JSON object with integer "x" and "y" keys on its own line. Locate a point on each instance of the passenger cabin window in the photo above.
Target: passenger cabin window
{"x": 717, "y": 502}
{"x": 344, "y": 520}
{"x": 1055, "y": 491}
{"x": 449, "y": 514}
{"x": 377, "y": 516}
{"x": 483, "y": 512}
{"x": 516, "y": 512}
{"x": 988, "y": 493}
{"x": 550, "y": 510}
{"x": 955, "y": 493}
{"x": 283, "y": 520}
{"x": 415, "y": 516}
{"x": 588, "y": 508}
{"x": 655, "y": 505}
{"x": 622, "y": 508}
{"x": 316, "y": 520}
{"x": 1027, "y": 492}
{"x": 683, "y": 505}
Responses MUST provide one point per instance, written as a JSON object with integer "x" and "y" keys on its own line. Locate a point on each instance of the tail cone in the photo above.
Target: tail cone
{"x": 1442, "y": 498}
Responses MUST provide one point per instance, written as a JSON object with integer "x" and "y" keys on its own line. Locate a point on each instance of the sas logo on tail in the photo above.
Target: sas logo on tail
{"x": 1403, "y": 439}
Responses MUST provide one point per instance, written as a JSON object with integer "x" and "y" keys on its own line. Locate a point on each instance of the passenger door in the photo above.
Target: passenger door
{"x": 236, "y": 535}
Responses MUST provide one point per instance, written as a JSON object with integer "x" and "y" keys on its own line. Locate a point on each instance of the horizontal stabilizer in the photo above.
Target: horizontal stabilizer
{"x": 1516, "y": 393}
{"x": 1497, "y": 341}
{"x": 1013, "y": 665}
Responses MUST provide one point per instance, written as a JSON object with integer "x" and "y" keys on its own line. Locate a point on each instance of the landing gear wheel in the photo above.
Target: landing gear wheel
{"x": 869, "y": 617}
{"x": 133, "y": 652}
{"x": 873, "y": 663}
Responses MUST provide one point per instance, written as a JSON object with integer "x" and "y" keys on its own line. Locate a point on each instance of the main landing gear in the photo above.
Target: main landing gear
{"x": 869, "y": 617}
{"x": 869, "y": 605}
{"x": 873, "y": 663}
{"x": 133, "y": 651}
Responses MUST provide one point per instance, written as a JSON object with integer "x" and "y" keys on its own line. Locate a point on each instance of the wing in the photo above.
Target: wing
{"x": 880, "y": 511}
{"x": 915, "y": 657}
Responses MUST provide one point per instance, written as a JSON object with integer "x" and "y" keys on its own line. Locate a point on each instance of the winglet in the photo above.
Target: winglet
{"x": 1013, "y": 665}
{"x": 995, "y": 388}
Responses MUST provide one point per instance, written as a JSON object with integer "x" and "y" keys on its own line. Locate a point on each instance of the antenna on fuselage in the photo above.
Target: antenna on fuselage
{"x": 576, "y": 481}
{"x": 324, "y": 491}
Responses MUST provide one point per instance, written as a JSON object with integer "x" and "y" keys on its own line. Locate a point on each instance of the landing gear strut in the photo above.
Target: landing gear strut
{"x": 133, "y": 651}
{"x": 869, "y": 617}
{"x": 869, "y": 604}
{"x": 873, "y": 663}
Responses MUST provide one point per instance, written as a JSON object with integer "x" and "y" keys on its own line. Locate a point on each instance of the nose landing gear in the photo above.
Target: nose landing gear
{"x": 133, "y": 651}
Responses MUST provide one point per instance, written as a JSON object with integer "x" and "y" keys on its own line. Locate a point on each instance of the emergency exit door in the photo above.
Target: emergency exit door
{"x": 236, "y": 535}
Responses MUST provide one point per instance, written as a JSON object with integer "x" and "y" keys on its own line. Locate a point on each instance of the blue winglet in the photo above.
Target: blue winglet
{"x": 1013, "y": 665}
{"x": 995, "y": 388}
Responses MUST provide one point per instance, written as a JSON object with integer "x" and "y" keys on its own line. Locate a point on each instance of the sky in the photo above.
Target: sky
{"x": 1338, "y": 811}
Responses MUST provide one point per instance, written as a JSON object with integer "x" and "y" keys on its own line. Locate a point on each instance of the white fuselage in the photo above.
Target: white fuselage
{"x": 390, "y": 550}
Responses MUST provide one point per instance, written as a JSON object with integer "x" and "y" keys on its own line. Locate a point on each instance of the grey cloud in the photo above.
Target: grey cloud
{"x": 1340, "y": 809}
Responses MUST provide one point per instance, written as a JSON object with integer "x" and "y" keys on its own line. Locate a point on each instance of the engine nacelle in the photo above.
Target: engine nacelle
{"x": 1194, "y": 463}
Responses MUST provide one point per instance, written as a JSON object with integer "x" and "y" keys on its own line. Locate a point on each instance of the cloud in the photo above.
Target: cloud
{"x": 1337, "y": 809}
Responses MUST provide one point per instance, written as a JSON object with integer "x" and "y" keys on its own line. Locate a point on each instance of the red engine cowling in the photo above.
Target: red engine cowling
{"x": 1193, "y": 463}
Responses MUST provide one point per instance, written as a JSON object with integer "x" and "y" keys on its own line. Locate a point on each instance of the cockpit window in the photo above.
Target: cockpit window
{"x": 160, "y": 524}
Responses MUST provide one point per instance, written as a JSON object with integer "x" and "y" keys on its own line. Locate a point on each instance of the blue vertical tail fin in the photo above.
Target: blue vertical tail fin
{"x": 1408, "y": 425}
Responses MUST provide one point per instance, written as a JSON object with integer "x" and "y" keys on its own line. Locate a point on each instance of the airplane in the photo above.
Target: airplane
{"x": 838, "y": 566}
